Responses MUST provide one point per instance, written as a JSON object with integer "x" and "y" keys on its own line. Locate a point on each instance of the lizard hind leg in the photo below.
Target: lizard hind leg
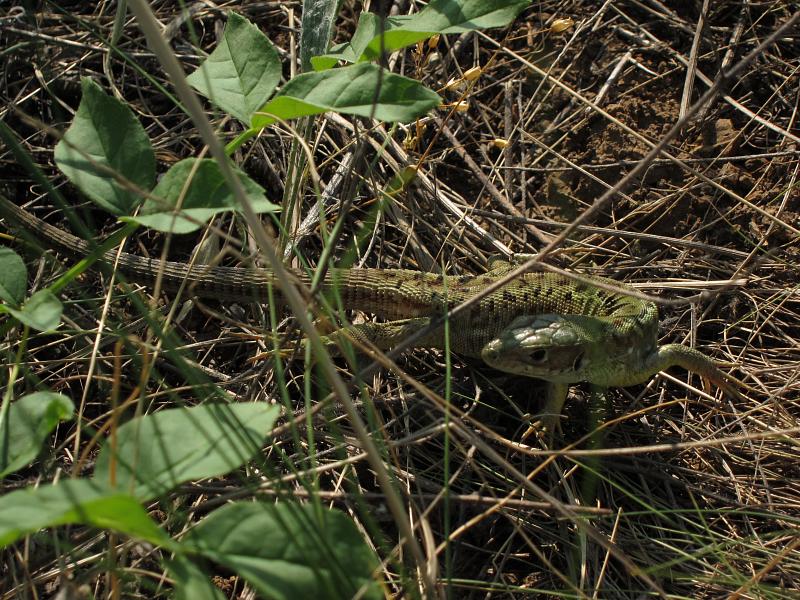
{"x": 383, "y": 336}
{"x": 361, "y": 337}
{"x": 498, "y": 263}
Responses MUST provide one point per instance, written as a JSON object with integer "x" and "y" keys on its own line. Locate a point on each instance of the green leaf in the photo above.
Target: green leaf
{"x": 439, "y": 17}
{"x": 241, "y": 72}
{"x": 288, "y": 550}
{"x": 349, "y": 90}
{"x": 157, "y": 452}
{"x": 105, "y": 136}
{"x": 13, "y": 276}
{"x": 26, "y": 511}
{"x": 42, "y": 311}
{"x": 27, "y": 425}
{"x": 207, "y": 194}
{"x": 190, "y": 582}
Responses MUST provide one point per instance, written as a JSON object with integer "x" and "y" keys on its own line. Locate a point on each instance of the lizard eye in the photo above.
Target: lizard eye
{"x": 579, "y": 362}
{"x": 538, "y": 356}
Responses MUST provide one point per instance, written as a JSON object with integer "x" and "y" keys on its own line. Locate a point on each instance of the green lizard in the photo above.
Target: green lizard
{"x": 541, "y": 325}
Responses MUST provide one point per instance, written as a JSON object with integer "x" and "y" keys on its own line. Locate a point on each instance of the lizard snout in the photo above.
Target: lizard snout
{"x": 490, "y": 352}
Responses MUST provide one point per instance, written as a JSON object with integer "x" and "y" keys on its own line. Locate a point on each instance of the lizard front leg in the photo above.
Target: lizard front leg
{"x": 549, "y": 420}
{"x": 694, "y": 361}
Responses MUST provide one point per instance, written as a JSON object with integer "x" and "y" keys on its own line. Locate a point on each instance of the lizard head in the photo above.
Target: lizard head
{"x": 564, "y": 349}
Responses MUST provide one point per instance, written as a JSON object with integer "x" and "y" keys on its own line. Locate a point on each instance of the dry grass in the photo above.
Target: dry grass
{"x": 688, "y": 493}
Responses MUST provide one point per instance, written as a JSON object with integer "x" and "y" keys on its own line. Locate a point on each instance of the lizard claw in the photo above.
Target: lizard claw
{"x": 543, "y": 429}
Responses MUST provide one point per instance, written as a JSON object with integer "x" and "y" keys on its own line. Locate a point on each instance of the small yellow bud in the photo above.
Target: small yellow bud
{"x": 462, "y": 106}
{"x": 472, "y": 74}
{"x": 454, "y": 84}
{"x": 560, "y": 25}
{"x": 499, "y": 143}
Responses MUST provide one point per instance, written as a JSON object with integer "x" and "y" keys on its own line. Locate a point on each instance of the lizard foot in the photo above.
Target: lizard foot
{"x": 548, "y": 422}
{"x": 543, "y": 429}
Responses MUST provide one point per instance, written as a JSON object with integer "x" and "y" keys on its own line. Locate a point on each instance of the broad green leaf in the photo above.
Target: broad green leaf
{"x": 439, "y": 16}
{"x": 106, "y": 137}
{"x": 26, "y": 511}
{"x": 190, "y": 581}
{"x": 27, "y": 425}
{"x": 343, "y": 52}
{"x": 13, "y": 276}
{"x": 316, "y": 29}
{"x": 288, "y": 550}
{"x": 207, "y": 194}
{"x": 241, "y": 72}
{"x": 158, "y": 452}
{"x": 42, "y": 311}
{"x": 349, "y": 90}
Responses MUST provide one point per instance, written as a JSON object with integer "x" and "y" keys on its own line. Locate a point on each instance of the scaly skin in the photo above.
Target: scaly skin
{"x": 541, "y": 325}
{"x": 564, "y": 349}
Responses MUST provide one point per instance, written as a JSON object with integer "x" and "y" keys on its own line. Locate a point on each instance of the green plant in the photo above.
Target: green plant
{"x": 282, "y": 549}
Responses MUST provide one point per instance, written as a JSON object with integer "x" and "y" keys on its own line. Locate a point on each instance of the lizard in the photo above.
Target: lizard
{"x": 542, "y": 325}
